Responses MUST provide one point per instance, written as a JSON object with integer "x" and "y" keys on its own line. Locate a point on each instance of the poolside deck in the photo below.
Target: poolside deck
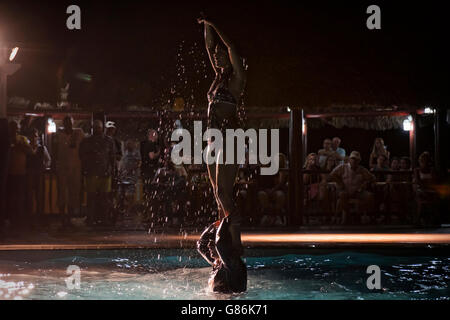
{"x": 299, "y": 238}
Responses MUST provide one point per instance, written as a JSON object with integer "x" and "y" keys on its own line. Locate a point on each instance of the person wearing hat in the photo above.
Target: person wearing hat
{"x": 97, "y": 155}
{"x": 111, "y": 131}
{"x": 352, "y": 181}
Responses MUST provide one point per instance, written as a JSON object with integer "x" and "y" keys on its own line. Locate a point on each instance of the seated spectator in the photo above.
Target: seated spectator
{"x": 405, "y": 164}
{"x": 381, "y": 166}
{"x": 395, "y": 166}
{"x": 426, "y": 196}
{"x": 352, "y": 181}
{"x": 272, "y": 196}
{"x": 378, "y": 149}
{"x": 311, "y": 180}
{"x": 381, "y": 189}
{"x": 325, "y": 152}
{"x": 340, "y": 152}
{"x": 324, "y": 188}
{"x": 398, "y": 193}
{"x": 246, "y": 186}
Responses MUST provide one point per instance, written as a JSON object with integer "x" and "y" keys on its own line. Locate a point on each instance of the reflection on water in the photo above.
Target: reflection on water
{"x": 181, "y": 274}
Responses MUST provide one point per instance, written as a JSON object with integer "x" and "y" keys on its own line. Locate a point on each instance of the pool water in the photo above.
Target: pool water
{"x": 182, "y": 274}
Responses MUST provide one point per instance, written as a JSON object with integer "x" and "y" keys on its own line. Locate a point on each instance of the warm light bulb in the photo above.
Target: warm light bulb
{"x": 407, "y": 124}
{"x": 428, "y": 110}
{"x": 51, "y": 127}
{"x": 13, "y": 53}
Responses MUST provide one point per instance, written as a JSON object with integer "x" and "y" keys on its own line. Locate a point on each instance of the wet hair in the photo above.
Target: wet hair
{"x": 228, "y": 69}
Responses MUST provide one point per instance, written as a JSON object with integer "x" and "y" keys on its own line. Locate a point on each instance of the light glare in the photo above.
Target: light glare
{"x": 13, "y": 53}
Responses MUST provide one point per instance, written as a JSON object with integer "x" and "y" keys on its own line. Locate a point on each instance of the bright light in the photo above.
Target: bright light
{"x": 408, "y": 124}
{"x": 13, "y": 53}
{"x": 428, "y": 110}
{"x": 288, "y": 109}
{"x": 51, "y": 126}
{"x": 304, "y": 125}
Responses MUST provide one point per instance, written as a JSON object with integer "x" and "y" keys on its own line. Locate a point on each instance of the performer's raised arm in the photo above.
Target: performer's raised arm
{"x": 210, "y": 42}
{"x": 212, "y": 47}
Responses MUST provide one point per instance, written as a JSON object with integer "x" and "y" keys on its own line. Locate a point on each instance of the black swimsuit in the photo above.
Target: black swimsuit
{"x": 222, "y": 109}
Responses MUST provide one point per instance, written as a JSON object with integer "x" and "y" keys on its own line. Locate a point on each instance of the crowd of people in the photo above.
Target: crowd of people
{"x": 104, "y": 170}
{"x": 338, "y": 189}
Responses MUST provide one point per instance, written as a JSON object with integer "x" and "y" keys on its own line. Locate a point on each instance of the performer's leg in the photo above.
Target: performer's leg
{"x": 212, "y": 172}
{"x": 226, "y": 175}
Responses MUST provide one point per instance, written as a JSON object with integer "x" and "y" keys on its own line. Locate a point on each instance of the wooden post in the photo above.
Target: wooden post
{"x": 300, "y": 197}
{"x": 305, "y": 138}
{"x": 437, "y": 129}
{"x": 412, "y": 141}
{"x": 6, "y": 69}
{"x": 295, "y": 156}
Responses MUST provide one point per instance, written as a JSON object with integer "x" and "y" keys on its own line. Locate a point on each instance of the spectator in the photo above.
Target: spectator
{"x": 380, "y": 167}
{"x": 272, "y": 196}
{"x": 398, "y": 193}
{"x": 335, "y": 145}
{"x": 325, "y": 152}
{"x": 16, "y": 181}
{"x": 426, "y": 196}
{"x": 129, "y": 171}
{"x": 98, "y": 155}
{"x": 352, "y": 181}
{"x": 36, "y": 165}
{"x": 111, "y": 131}
{"x": 405, "y": 164}
{"x": 311, "y": 180}
{"x": 26, "y": 129}
{"x": 169, "y": 190}
{"x": 150, "y": 153}
{"x": 324, "y": 189}
{"x": 395, "y": 166}
{"x": 66, "y": 144}
{"x": 247, "y": 190}
{"x": 378, "y": 149}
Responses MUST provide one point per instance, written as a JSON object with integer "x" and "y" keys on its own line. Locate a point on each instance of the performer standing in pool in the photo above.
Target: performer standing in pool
{"x": 223, "y": 96}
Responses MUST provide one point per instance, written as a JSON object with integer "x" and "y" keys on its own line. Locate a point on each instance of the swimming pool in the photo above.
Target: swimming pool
{"x": 182, "y": 274}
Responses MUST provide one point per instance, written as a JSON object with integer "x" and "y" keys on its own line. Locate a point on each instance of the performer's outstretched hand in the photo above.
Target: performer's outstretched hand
{"x": 203, "y": 20}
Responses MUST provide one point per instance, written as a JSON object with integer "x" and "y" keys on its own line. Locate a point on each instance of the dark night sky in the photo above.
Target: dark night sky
{"x": 298, "y": 53}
